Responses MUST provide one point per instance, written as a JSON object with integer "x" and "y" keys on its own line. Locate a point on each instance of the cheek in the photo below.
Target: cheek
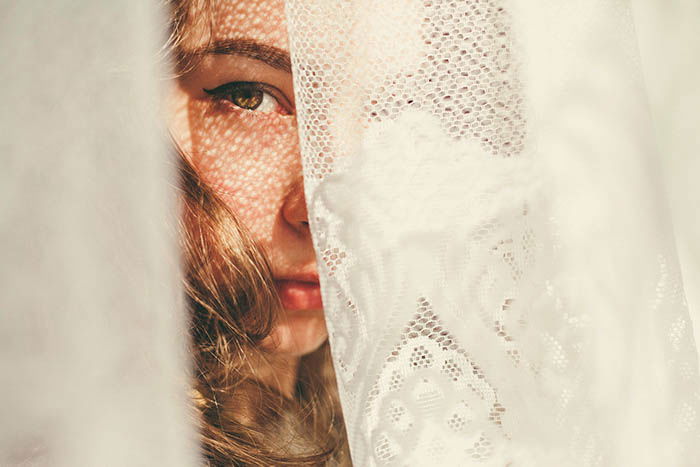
{"x": 249, "y": 159}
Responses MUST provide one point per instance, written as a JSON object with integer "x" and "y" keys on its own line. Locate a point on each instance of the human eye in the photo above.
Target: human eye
{"x": 252, "y": 96}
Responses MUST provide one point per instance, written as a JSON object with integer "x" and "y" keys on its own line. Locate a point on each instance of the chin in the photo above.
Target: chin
{"x": 297, "y": 333}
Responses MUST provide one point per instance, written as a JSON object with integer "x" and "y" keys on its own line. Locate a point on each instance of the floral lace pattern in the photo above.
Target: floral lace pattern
{"x": 468, "y": 325}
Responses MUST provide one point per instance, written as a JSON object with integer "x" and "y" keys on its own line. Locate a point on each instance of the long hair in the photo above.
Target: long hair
{"x": 233, "y": 306}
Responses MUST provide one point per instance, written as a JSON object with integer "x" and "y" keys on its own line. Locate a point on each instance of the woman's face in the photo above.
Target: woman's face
{"x": 234, "y": 116}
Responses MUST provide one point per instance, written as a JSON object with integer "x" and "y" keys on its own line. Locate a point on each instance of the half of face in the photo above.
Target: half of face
{"x": 233, "y": 115}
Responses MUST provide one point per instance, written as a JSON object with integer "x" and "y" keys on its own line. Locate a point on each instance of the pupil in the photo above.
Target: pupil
{"x": 249, "y": 99}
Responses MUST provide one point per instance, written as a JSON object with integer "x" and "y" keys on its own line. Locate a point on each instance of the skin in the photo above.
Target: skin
{"x": 250, "y": 157}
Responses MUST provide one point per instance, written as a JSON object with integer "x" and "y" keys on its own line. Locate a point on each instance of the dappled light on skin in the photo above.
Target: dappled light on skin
{"x": 233, "y": 115}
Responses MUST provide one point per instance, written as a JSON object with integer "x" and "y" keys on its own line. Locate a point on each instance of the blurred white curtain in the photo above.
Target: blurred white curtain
{"x": 487, "y": 196}
{"x": 92, "y": 336}
{"x": 669, "y": 39}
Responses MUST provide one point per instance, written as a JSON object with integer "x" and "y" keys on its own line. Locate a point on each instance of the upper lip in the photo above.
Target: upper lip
{"x": 309, "y": 277}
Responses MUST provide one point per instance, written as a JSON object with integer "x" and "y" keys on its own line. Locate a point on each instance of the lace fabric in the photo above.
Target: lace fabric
{"x": 498, "y": 269}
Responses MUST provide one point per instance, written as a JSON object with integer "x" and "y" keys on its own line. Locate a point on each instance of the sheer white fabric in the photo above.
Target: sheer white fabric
{"x": 497, "y": 260}
{"x": 91, "y": 327}
{"x": 669, "y": 39}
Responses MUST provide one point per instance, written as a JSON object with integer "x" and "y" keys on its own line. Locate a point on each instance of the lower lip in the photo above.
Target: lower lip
{"x": 298, "y": 295}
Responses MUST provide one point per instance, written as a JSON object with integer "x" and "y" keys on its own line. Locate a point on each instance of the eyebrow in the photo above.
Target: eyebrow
{"x": 273, "y": 56}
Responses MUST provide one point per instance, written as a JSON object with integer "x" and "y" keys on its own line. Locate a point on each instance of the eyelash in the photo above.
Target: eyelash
{"x": 226, "y": 92}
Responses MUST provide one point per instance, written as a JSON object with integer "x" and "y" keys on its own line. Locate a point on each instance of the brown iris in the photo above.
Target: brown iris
{"x": 246, "y": 97}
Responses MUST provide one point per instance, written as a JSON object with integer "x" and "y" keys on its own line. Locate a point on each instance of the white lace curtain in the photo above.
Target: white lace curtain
{"x": 485, "y": 182}
{"x": 500, "y": 277}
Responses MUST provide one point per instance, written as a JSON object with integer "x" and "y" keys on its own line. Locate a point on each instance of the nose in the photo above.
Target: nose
{"x": 294, "y": 208}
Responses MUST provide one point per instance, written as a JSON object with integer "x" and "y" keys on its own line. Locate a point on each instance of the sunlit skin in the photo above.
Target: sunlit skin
{"x": 242, "y": 139}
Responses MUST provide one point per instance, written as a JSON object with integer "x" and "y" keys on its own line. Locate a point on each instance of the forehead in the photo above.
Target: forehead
{"x": 261, "y": 20}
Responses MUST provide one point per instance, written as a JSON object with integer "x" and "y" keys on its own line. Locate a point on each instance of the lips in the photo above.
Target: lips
{"x": 300, "y": 293}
